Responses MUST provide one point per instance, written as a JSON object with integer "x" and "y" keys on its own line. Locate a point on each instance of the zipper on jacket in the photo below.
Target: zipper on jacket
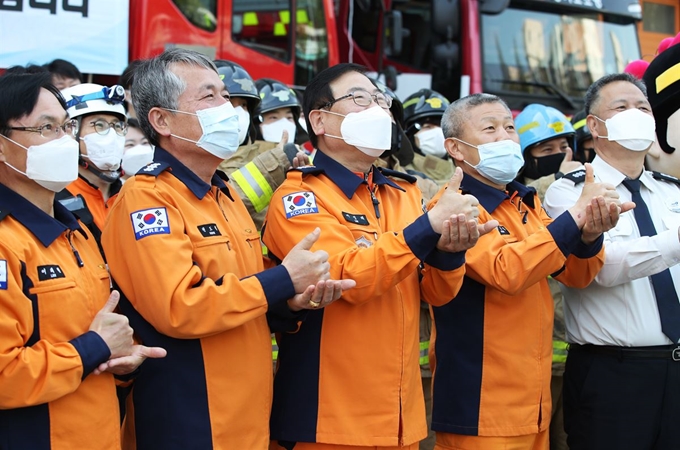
{"x": 73, "y": 249}
{"x": 216, "y": 196}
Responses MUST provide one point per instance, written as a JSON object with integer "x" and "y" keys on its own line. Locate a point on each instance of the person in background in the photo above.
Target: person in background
{"x": 545, "y": 135}
{"x": 423, "y": 112}
{"x": 207, "y": 305}
{"x": 258, "y": 167}
{"x": 64, "y": 74}
{"x": 278, "y": 111}
{"x": 62, "y": 343}
{"x": 138, "y": 152}
{"x": 102, "y": 126}
{"x": 126, "y": 80}
{"x": 584, "y": 150}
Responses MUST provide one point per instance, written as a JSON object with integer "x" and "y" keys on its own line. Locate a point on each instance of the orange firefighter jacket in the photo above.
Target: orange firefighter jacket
{"x": 94, "y": 200}
{"x": 53, "y": 282}
{"x": 350, "y": 375}
{"x": 188, "y": 259}
{"x": 492, "y": 355}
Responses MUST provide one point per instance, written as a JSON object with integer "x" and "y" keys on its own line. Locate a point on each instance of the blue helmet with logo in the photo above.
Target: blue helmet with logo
{"x": 540, "y": 123}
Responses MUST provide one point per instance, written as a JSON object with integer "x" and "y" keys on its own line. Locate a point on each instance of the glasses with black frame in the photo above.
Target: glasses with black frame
{"x": 364, "y": 98}
{"x": 102, "y": 127}
{"x": 52, "y": 130}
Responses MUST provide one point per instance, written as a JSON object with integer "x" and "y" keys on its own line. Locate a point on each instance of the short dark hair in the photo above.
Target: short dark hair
{"x": 318, "y": 92}
{"x": 64, "y": 69}
{"x": 19, "y": 94}
{"x": 593, "y": 92}
{"x": 29, "y": 68}
{"x": 455, "y": 114}
{"x": 127, "y": 76}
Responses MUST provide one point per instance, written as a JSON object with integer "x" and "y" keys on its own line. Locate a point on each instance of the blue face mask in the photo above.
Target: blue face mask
{"x": 499, "y": 161}
{"x": 220, "y": 130}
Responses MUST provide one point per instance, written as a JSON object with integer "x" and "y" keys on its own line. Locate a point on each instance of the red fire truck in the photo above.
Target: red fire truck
{"x": 526, "y": 51}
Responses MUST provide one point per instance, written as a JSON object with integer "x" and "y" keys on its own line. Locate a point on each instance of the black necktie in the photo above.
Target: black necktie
{"x": 662, "y": 282}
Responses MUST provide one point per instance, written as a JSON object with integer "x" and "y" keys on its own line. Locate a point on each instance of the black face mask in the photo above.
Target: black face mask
{"x": 536, "y": 168}
{"x": 581, "y": 156}
{"x": 401, "y": 146}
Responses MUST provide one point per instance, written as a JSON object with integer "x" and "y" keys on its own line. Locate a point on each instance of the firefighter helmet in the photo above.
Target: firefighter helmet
{"x": 539, "y": 123}
{"x": 238, "y": 82}
{"x": 275, "y": 95}
{"x": 89, "y": 98}
{"x": 424, "y": 104}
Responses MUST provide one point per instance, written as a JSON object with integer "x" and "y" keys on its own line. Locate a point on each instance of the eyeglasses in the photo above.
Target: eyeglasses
{"x": 102, "y": 127}
{"x": 51, "y": 130}
{"x": 363, "y": 98}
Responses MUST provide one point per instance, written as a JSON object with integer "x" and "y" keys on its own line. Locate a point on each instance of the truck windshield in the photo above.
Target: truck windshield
{"x": 548, "y": 54}
{"x": 311, "y": 40}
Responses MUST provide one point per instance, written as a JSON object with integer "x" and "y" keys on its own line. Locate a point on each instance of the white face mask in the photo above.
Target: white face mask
{"x": 243, "y": 123}
{"x": 303, "y": 123}
{"x": 53, "y": 165}
{"x": 273, "y": 132}
{"x": 431, "y": 142}
{"x": 137, "y": 157}
{"x": 104, "y": 150}
{"x": 632, "y": 129}
{"x": 220, "y": 130}
{"x": 369, "y": 130}
{"x": 498, "y": 161}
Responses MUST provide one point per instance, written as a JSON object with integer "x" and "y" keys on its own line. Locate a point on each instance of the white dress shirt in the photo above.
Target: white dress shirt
{"x": 619, "y": 307}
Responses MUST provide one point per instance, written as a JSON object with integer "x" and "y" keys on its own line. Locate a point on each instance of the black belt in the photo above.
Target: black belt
{"x": 671, "y": 352}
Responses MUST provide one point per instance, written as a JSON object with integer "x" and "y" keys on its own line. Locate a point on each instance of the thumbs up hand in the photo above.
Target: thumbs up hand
{"x": 304, "y": 266}
{"x": 453, "y": 203}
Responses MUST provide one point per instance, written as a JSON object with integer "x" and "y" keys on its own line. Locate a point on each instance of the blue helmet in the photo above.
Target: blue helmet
{"x": 539, "y": 123}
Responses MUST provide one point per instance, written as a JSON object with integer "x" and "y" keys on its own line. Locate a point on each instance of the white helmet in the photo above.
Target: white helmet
{"x": 89, "y": 98}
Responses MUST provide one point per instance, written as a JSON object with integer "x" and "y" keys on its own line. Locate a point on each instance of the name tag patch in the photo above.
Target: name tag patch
{"x": 50, "y": 272}
{"x": 300, "y": 203}
{"x": 150, "y": 221}
{"x": 209, "y": 230}
{"x": 3, "y": 274}
{"x": 359, "y": 219}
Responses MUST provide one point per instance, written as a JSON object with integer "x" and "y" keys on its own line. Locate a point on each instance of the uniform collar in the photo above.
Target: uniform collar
{"x": 490, "y": 197}
{"x": 199, "y": 187}
{"x": 42, "y": 225}
{"x": 345, "y": 179}
{"x": 85, "y": 185}
{"x": 609, "y": 174}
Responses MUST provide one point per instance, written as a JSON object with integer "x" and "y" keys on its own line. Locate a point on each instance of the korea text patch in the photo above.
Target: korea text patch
{"x": 3, "y": 274}
{"x": 300, "y": 203}
{"x": 151, "y": 221}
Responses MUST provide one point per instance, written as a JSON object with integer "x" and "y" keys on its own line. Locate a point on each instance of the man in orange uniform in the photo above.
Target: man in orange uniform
{"x": 350, "y": 377}
{"x": 102, "y": 126}
{"x": 56, "y": 326}
{"x": 188, "y": 259}
{"x": 492, "y": 353}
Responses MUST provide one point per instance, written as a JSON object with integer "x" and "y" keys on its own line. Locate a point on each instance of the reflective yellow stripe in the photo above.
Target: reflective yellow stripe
{"x": 250, "y": 19}
{"x": 254, "y": 185}
{"x": 560, "y": 351}
{"x": 527, "y": 127}
{"x": 424, "y": 355}
{"x": 670, "y": 76}
{"x": 580, "y": 124}
{"x": 275, "y": 349}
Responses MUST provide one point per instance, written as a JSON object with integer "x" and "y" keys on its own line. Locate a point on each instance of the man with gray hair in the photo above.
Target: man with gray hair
{"x": 188, "y": 259}
{"x": 493, "y": 347}
{"x": 622, "y": 378}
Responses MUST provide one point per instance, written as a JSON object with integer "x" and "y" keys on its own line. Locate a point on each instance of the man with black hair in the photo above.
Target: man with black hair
{"x": 64, "y": 74}
{"x": 350, "y": 376}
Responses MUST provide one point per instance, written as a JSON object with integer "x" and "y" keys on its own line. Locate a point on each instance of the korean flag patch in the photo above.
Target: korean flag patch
{"x": 300, "y": 203}
{"x": 150, "y": 221}
{"x": 3, "y": 274}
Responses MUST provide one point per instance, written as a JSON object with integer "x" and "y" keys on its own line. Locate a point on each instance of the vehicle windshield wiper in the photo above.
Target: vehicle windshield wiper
{"x": 550, "y": 87}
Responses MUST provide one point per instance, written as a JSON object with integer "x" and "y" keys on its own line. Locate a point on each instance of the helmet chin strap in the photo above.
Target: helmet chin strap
{"x": 100, "y": 174}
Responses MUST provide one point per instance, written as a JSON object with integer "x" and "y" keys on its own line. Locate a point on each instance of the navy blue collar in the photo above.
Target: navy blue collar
{"x": 490, "y": 197}
{"x": 345, "y": 179}
{"x": 42, "y": 225}
{"x": 199, "y": 187}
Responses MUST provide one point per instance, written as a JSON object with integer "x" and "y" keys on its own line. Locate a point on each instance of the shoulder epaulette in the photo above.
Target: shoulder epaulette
{"x": 154, "y": 169}
{"x": 417, "y": 174}
{"x": 309, "y": 170}
{"x": 396, "y": 174}
{"x": 3, "y": 213}
{"x": 577, "y": 176}
{"x": 663, "y": 176}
